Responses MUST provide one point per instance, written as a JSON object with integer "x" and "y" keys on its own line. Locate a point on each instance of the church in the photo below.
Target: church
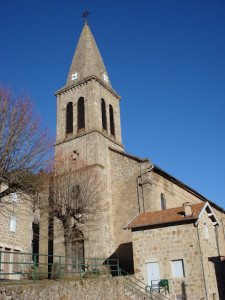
{"x": 156, "y": 226}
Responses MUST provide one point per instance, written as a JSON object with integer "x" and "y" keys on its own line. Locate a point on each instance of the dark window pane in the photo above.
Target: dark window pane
{"x": 81, "y": 119}
{"x": 69, "y": 117}
{"x": 112, "y": 130}
{"x": 104, "y": 126}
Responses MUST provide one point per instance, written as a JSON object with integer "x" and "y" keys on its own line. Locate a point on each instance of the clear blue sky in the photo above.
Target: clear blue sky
{"x": 166, "y": 58}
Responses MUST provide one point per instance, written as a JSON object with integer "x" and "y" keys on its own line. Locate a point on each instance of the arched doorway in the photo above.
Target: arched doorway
{"x": 78, "y": 250}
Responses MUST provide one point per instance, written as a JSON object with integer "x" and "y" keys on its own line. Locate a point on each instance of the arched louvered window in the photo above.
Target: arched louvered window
{"x": 80, "y": 113}
{"x": 163, "y": 202}
{"x": 69, "y": 117}
{"x": 111, "y": 118}
{"x": 104, "y": 125}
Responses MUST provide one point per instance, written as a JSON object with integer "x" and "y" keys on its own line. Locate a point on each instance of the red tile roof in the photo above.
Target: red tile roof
{"x": 171, "y": 215}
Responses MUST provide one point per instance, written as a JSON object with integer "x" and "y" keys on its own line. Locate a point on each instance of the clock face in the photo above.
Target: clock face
{"x": 74, "y": 76}
{"x": 105, "y": 78}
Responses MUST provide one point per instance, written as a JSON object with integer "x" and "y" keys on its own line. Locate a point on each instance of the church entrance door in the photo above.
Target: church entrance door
{"x": 78, "y": 254}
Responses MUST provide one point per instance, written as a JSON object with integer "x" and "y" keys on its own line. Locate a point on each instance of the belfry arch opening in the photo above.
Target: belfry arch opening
{"x": 69, "y": 118}
{"x": 111, "y": 118}
{"x": 80, "y": 114}
{"x": 104, "y": 122}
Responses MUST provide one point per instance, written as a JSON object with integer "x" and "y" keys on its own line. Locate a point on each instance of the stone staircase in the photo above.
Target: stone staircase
{"x": 138, "y": 290}
{"x": 134, "y": 294}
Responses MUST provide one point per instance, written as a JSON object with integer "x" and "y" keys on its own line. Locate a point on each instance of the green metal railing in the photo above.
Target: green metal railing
{"x": 27, "y": 266}
{"x": 140, "y": 287}
{"x": 18, "y": 265}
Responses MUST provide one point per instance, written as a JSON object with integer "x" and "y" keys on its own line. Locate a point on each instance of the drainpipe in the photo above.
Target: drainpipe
{"x": 149, "y": 170}
{"x": 203, "y": 269}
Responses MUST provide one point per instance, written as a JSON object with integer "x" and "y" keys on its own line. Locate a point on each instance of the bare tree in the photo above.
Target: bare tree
{"x": 75, "y": 194}
{"x": 25, "y": 145}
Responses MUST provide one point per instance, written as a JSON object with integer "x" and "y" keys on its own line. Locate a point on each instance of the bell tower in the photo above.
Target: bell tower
{"x": 88, "y": 112}
{"x": 88, "y": 124}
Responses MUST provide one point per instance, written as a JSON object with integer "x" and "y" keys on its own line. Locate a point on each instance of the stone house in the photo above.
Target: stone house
{"x": 88, "y": 124}
{"x": 16, "y": 233}
{"x": 181, "y": 245}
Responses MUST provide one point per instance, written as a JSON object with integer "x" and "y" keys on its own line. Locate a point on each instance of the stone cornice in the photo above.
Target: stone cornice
{"x": 66, "y": 88}
{"x": 88, "y": 132}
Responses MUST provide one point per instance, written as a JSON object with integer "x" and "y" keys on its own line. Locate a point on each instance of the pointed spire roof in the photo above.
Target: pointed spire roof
{"x": 87, "y": 60}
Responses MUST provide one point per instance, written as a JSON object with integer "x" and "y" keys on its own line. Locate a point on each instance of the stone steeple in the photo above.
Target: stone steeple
{"x": 88, "y": 124}
{"x": 87, "y": 61}
{"x": 88, "y": 103}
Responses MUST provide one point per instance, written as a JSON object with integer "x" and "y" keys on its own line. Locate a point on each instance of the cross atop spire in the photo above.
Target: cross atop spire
{"x": 85, "y": 15}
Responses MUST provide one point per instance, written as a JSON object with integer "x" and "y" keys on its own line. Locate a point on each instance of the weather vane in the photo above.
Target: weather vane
{"x": 85, "y": 14}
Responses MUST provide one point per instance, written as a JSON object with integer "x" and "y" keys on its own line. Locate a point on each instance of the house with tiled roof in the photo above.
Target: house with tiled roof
{"x": 179, "y": 245}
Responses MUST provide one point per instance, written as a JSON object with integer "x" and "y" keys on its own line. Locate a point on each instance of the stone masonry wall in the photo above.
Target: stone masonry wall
{"x": 89, "y": 289}
{"x": 124, "y": 172}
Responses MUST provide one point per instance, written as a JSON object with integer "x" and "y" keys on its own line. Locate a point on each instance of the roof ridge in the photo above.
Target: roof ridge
{"x": 172, "y": 208}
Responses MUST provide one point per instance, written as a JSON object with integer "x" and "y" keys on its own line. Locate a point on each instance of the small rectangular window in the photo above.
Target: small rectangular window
{"x": 12, "y": 224}
{"x": 178, "y": 268}
{"x": 14, "y": 197}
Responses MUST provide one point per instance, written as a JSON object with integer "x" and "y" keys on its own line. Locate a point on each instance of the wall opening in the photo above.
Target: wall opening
{"x": 111, "y": 118}
{"x": 81, "y": 114}
{"x": 104, "y": 124}
{"x": 163, "y": 202}
{"x": 124, "y": 253}
{"x": 69, "y": 117}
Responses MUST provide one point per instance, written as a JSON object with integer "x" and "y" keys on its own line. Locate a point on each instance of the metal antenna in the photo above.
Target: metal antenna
{"x": 85, "y": 14}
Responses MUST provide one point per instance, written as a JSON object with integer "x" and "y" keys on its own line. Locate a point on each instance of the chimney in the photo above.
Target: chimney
{"x": 187, "y": 209}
